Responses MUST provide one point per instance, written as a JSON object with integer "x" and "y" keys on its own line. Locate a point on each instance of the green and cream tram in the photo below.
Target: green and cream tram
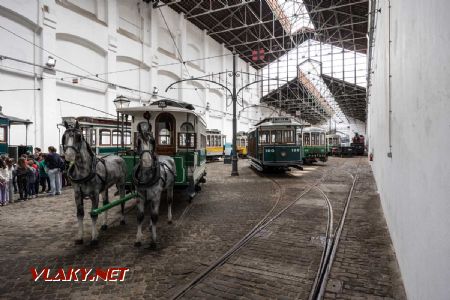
{"x": 104, "y": 135}
{"x": 179, "y": 132}
{"x": 273, "y": 144}
{"x": 314, "y": 144}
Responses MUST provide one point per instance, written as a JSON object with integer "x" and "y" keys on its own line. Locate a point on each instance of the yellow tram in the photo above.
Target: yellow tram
{"x": 215, "y": 142}
{"x": 241, "y": 143}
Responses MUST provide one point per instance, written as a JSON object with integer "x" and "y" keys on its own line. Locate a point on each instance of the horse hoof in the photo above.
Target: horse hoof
{"x": 169, "y": 222}
{"x": 79, "y": 242}
{"x": 94, "y": 243}
{"x": 137, "y": 244}
{"x": 122, "y": 222}
{"x": 104, "y": 227}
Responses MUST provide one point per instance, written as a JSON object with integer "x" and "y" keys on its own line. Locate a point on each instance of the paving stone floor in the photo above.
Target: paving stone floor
{"x": 280, "y": 262}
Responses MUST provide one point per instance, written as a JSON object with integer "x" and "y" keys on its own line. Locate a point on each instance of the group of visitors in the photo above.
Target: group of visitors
{"x": 35, "y": 174}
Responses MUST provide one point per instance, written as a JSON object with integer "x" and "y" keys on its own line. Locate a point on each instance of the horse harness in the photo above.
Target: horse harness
{"x": 92, "y": 172}
{"x": 154, "y": 172}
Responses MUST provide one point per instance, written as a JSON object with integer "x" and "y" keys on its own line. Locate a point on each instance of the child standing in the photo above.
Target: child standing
{"x": 11, "y": 170}
{"x": 31, "y": 179}
{"x": 4, "y": 183}
{"x": 22, "y": 173}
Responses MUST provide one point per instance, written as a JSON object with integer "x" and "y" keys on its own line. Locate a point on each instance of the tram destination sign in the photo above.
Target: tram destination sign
{"x": 281, "y": 120}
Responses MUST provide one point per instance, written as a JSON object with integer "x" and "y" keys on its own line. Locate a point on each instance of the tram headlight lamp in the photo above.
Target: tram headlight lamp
{"x": 283, "y": 153}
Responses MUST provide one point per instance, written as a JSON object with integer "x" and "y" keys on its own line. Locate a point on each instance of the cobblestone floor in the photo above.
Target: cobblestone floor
{"x": 365, "y": 266}
{"x": 280, "y": 262}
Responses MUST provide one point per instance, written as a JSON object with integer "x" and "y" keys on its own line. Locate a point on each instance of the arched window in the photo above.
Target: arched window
{"x": 165, "y": 134}
{"x": 105, "y": 137}
{"x": 186, "y": 137}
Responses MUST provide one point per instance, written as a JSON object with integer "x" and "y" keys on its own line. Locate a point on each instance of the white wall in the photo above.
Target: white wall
{"x": 414, "y": 184}
{"x": 126, "y": 42}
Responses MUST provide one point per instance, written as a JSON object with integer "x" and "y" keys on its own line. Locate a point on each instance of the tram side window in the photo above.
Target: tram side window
{"x": 306, "y": 139}
{"x": 208, "y": 141}
{"x": 105, "y": 137}
{"x": 202, "y": 141}
{"x": 264, "y": 137}
{"x": 127, "y": 138}
{"x": 322, "y": 139}
{"x": 3, "y": 136}
{"x": 217, "y": 143}
{"x": 288, "y": 136}
{"x": 93, "y": 137}
{"x": 186, "y": 138}
{"x": 116, "y": 137}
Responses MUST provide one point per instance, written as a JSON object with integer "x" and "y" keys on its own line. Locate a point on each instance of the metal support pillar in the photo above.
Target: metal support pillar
{"x": 234, "y": 158}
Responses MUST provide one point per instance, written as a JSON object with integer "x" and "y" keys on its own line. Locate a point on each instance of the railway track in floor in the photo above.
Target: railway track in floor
{"x": 272, "y": 215}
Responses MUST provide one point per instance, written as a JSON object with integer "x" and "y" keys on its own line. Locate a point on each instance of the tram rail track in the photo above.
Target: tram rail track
{"x": 268, "y": 219}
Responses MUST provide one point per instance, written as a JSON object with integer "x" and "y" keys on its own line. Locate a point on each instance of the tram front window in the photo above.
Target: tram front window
{"x": 277, "y": 137}
{"x": 186, "y": 138}
{"x": 306, "y": 139}
{"x": 165, "y": 130}
{"x": 314, "y": 138}
{"x": 127, "y": 138}
{"x": 288, "y": 136}
{"x": 164, "y": 137}
{"x": 264, "y": 137}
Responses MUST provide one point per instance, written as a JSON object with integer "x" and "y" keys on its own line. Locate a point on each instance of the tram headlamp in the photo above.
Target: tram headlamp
{"x": 283, "y": 154}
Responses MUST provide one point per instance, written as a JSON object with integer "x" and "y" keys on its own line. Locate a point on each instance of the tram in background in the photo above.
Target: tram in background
{"x": 104, "y": 135}
{"x": 314, "y": 144}
{"x": 241, "y": 144}
{"x": 358, "y": 144}
{"x": 333, "y": 144}
{"x": 273, "y": 144}
{"x": 6, "y": 148}
{"x": 179, "y": 132}
{"x": 215, "y": 142}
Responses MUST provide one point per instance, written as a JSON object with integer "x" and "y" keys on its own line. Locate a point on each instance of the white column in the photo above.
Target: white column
{"x": 181, "y": 43}
{"x": 50, "y": 115}
{"x": 111, "y": 93}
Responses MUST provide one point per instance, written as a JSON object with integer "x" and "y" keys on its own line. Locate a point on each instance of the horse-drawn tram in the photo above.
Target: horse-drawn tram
{"x": 178, "y": 132}
{"x": 168, "y": 150}
{"x": 104, "y": 135}
{"x": 273, "y": 144}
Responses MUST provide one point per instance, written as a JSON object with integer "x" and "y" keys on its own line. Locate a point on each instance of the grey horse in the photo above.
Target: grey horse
{"x": 151, "y": 176}
{"x": 90, "y": 177}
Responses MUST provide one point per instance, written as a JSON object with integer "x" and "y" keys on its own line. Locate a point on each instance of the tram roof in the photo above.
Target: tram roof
{"x": 278, "y": 121}
{"x": 170, "y": 106}
{"x": 15, "y": 120}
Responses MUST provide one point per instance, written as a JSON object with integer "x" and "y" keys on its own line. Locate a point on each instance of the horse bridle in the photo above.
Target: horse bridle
{"x": 94, "y": 159}
{"x": 78, "y": 148}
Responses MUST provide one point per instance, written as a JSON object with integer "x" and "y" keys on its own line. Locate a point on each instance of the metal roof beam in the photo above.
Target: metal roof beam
{"x": 211, "y": 11}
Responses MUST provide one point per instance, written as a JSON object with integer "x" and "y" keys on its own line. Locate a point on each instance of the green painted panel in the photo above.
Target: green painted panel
{"x": 282, "y": 153}
{"x": 111, "y": 150}
{"x": 181, "y": 177}
{"x": 315, "y": 151}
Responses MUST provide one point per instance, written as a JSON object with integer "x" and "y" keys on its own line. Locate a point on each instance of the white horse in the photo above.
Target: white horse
{"x": 152, "y": 176}
{"x": 90, "y": 177}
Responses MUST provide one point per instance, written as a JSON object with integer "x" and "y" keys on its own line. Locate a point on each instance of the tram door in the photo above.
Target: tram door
{"x": 165, "y": 134}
